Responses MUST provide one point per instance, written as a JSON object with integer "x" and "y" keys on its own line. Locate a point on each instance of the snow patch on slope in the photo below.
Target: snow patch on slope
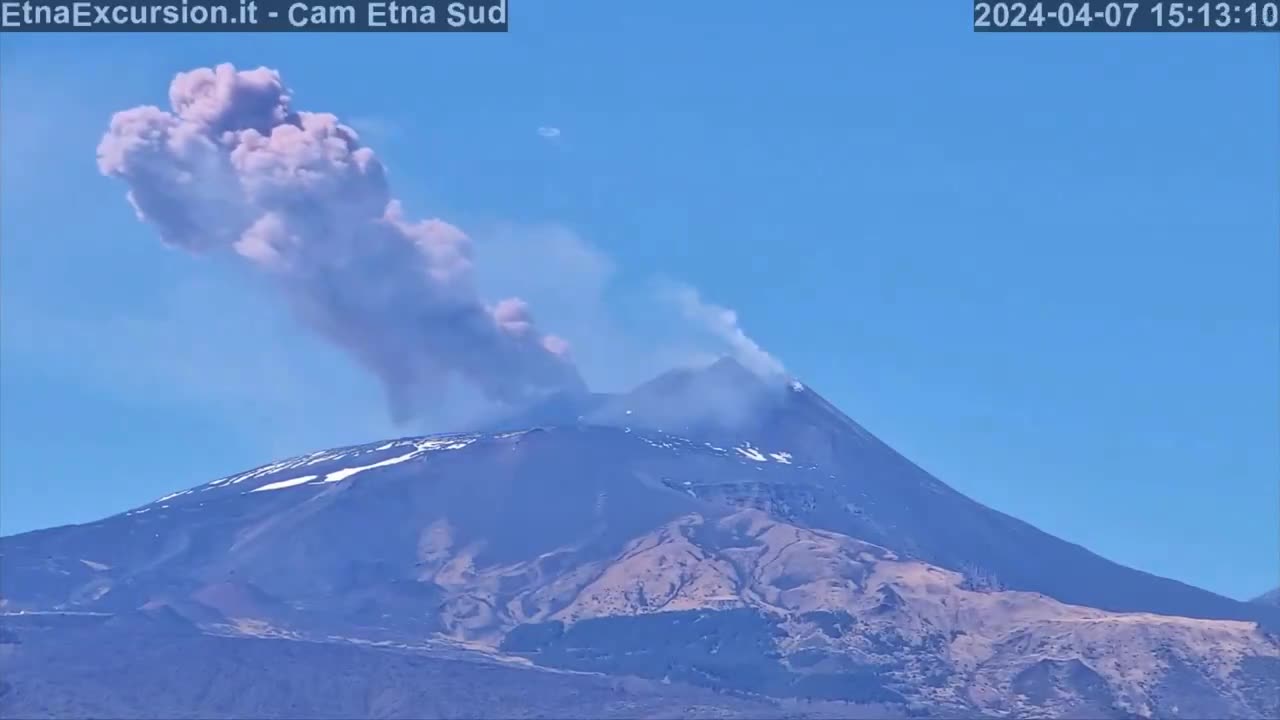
{"x": 343, "y": 474}
{"x": 301, "y": 471}
{"x": 421, "y": 447}
{"x": 280, "y": 485}
{"x": 746, "y": 451}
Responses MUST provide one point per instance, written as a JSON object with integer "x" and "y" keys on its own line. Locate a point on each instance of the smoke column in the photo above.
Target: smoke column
{"x": 233, "y": 168}
{"x": 722, "y": 324}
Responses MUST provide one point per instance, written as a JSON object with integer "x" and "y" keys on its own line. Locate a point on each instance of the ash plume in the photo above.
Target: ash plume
{"x": 233, "y": 168}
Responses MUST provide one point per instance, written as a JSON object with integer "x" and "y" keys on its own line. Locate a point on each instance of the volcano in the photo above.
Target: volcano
{"x": 709, "y": 543}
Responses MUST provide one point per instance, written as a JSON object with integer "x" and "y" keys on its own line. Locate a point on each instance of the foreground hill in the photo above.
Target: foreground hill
{"x": 149, "y": 666}
{"x": 772, "y": 551}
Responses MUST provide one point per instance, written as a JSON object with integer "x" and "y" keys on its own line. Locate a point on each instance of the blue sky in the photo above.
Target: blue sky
{"x": 1044, "y": 267}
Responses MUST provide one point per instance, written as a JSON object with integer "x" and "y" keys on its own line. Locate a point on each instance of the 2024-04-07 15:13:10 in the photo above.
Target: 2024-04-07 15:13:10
{"x": 1253, "y": 15}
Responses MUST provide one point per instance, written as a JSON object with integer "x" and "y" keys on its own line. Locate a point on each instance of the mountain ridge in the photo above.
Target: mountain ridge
{"x": 1271, "y": 598}
{"x": 806, "y": 413}
{"x": 780, "y": 552}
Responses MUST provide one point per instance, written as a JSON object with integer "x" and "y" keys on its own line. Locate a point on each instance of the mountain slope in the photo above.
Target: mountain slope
{"x": 771, "y": 548}
{"x": 58, "y": 673}
{"x": 868, "y": 490}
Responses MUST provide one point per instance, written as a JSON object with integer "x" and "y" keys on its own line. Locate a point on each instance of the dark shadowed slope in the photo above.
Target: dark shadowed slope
{"x": 127, "y": 671}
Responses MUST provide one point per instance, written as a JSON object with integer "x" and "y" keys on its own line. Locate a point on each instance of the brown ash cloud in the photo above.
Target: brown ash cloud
{"x": 233, "y": 168}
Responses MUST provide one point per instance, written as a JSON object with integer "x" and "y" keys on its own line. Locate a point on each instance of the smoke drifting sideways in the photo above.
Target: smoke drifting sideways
{"x": 722, "y": 323}
{"x": 233, "y": 168}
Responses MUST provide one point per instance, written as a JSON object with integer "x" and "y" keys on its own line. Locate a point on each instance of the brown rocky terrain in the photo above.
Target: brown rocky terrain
{"x": 791, "y": 565}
